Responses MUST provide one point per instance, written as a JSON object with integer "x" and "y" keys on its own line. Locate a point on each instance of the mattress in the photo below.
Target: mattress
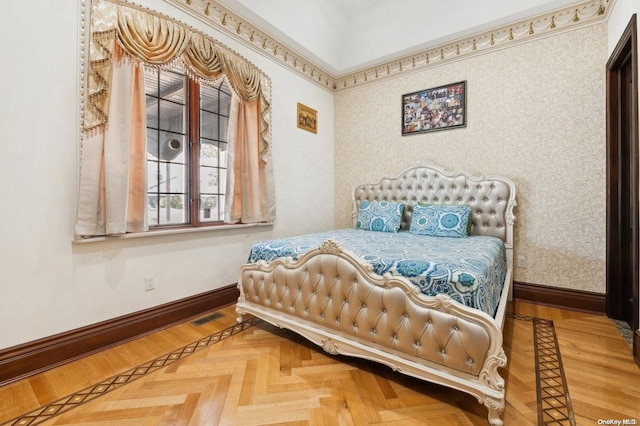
{"x": 471, "y": 270}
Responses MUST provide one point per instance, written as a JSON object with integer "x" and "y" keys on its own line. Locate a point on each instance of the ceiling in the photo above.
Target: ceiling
{"x": 344, "y": 36}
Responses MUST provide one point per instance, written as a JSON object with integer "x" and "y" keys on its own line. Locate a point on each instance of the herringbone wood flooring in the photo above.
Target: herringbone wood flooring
{"x": 261, "y": 375}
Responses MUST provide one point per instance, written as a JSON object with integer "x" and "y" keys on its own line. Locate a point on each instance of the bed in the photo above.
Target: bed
{"x": 439, "y": 319}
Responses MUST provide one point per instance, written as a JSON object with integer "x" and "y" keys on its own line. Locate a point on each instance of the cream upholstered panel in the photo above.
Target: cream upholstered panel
{"x": 326, "y": 290}
{"x": 492, "y": 199}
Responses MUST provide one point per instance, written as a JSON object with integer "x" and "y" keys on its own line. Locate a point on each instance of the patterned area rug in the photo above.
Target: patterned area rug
{"x": 553, "y": 401}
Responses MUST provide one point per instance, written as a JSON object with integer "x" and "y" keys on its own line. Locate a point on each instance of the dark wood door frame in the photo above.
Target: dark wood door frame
{"x": 623, "y": 250}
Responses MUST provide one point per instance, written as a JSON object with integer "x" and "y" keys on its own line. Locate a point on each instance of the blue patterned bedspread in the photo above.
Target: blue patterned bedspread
{"x": 471, "y": 270}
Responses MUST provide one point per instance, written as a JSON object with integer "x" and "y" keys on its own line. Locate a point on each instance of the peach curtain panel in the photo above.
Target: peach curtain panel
{"x": 247, "y": 172}
{"x": 112, "y": 195}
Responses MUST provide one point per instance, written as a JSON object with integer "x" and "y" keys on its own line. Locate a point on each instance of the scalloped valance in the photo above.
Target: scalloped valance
{"x": 159, "y": 41}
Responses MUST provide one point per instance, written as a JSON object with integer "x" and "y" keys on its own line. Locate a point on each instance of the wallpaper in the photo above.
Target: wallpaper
{"x": 535, "y": 113}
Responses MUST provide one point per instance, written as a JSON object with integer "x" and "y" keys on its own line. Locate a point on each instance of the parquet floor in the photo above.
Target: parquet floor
{"x": 220, "y": 373}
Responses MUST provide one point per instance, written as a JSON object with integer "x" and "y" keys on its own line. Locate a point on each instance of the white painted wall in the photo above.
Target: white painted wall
{"x": 50, "y": 285}
{"x": 619, "y": 17}
{"x": 315, "y": 29}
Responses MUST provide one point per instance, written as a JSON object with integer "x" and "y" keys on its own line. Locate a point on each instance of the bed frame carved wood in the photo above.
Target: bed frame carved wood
{"x": 335, "y": 300}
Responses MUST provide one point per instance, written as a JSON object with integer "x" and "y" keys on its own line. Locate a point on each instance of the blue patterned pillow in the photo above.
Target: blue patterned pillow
{"x": 440, "y": 220}
{"x": 380, "y": 216}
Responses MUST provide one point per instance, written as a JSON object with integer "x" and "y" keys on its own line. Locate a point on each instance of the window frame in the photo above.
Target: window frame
{"x": 193, "y": 191}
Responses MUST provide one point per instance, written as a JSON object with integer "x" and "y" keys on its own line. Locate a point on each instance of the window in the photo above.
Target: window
{"x": 179, "y": 176}
{"x": 186, "y": 149}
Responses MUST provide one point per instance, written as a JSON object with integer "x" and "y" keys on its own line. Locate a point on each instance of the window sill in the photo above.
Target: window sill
{"x": 174, "y": 231}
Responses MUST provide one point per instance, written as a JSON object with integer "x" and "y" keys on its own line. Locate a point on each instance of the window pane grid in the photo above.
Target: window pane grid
{"x": 214, "y": 118}
{"x": 167, "y": 158}
{"x": 179, "y": 172}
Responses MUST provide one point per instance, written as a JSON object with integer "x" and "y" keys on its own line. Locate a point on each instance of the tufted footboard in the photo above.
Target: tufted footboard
{"x": 332, "y": 298}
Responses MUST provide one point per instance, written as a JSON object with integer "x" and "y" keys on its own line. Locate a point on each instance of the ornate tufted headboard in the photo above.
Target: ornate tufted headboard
{"x": 492, "y": 198}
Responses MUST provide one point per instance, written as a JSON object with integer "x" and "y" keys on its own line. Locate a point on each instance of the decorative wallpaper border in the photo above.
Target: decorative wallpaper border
{"x": 213, "y": 13}
{"x": 583, "y": 14}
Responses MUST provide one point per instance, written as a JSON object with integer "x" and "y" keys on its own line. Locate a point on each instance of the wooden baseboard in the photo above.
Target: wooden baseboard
{"x": 19, "y": 362}
{"x": 576, "y": 300}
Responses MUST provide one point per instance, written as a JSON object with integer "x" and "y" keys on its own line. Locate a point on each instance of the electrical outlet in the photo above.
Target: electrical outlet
{"x": 149, "y": 283}
{"x": 522, "y": 261}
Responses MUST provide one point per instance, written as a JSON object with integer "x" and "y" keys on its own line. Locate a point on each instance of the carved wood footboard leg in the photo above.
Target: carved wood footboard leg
{"x": 495, "y": 408}
{"x": 239, "y": 311}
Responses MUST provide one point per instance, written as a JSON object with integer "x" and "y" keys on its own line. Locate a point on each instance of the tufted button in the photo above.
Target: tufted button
{"x": 417, "y": 342}
{"x": 322, "y": 315}
{"x": 329, "y": 297}
{"x": 406, "y": 315}
{"x": 470, "y": 361}
{"x": 355, "y": 324}
{"x": 374, "y": 331}
{"x": 442, "y": 351}
{"x": 314, "y": 292}
{"x": 384, "y": 310}
{"x": 395, "y": 337}
{"x": 364, "y": 305}
{"x": 455, "y": 328}
{"x": 429, "y": 321}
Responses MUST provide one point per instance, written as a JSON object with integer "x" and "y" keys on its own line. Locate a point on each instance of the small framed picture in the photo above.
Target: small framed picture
{"x": 439, "y": 108}
{"x": 307, "y": 118}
